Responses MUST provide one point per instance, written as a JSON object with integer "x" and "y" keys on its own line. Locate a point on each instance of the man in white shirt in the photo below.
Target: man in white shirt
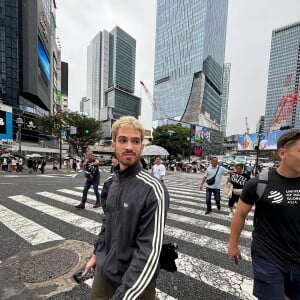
{"x": 158, "y": 169}
{"x": 214, "y": 170}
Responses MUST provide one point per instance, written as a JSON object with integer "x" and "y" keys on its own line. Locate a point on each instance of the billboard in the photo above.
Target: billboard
{"x": 199, "y": 134}
{"x": 6, "y": 124}
{"x": 268, "y": 140}
{"x": 44, "y": 62}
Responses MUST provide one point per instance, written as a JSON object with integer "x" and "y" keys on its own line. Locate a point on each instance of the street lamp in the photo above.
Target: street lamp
{"x": 20, "y": 122}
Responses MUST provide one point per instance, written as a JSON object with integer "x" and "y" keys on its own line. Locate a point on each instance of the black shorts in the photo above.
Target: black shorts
{"x": 234, "y": 198}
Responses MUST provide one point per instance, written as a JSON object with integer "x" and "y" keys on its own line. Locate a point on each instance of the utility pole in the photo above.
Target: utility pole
{"x": 259, "y": 138}
{"x": 58, "y": 118}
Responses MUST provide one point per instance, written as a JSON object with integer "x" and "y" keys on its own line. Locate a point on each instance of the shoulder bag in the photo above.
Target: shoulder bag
{"x": 212, "y": 180}
{"x": 227, "y": 190}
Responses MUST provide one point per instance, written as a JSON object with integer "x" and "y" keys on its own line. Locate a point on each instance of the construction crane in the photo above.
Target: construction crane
{"x": 247, "y": 126}
{"x": 149, "y": 97}
{"x": 153, "y": 104}
{"x": 285, "y": 108}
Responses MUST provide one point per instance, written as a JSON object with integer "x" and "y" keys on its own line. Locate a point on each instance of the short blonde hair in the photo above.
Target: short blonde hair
{"x": 127, "y": 122}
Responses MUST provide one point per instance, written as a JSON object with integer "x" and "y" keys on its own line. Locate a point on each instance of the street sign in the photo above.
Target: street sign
{"x": 63, "y": 134}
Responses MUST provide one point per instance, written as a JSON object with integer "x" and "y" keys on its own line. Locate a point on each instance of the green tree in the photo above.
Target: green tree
{"x": 88, "y": 130}
{"x": 174, "y": 138}
{"x": 274, "y": 157}
{"x": 47, "y": 125}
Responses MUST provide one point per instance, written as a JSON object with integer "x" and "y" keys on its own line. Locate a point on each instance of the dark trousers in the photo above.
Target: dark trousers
{"x": 217, "y": 197}
{"x": 88, "y": 184}
{"x": 273, "y": 281}
{"x": 104, "y": 290}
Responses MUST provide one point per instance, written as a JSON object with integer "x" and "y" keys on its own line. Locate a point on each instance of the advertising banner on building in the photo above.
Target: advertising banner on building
{"x": 268, "y": 140}
{"x": 6, "y": 124}
{"x": 199, "y": 133}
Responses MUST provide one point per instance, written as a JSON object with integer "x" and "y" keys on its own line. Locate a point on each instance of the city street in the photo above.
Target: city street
{"x": 44, "y": 204}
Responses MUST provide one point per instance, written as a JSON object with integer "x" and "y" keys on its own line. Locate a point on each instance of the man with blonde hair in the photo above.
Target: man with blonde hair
{"x": 127, "y": 250}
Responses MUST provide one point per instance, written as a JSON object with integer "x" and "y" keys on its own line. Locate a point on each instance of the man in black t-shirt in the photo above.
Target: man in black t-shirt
{"x": 238, "y": 180}
{"x": 276, "y": 237}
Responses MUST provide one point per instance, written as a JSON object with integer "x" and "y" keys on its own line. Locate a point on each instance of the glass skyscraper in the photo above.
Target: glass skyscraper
{"x": 111, "y": 77}
{"x": 225, "y": 96}
{"x": 189, "y": 58}
{"x": 283, "y": 78}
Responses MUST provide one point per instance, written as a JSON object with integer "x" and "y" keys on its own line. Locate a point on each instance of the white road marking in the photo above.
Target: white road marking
{"x": 28, "y": 230}
{"x": 204, "y": 241}
{"x": 68, "y": 200}
{"x": 78, "y": 194}
{"x": 200, "y": 212}
{"x": 202, "y": 205}
{"x": 68, "y": 217}
{"x": 206, "y": 224}
{"x": 215, "y": 276}
{"x": 212, "y": 275}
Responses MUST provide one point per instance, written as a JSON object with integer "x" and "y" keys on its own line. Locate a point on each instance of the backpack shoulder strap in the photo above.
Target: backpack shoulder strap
{"x": 262, "y": 184}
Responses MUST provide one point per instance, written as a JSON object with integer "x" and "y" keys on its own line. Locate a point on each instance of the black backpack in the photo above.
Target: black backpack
{"x": 260, "y": 189}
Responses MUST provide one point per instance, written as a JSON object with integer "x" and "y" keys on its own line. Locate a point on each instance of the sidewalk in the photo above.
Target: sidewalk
{"x": 48, "y": 169}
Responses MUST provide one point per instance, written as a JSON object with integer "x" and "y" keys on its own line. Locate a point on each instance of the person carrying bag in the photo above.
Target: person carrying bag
{"x": 214, "y": 174}
{"x": 212, "y": 180}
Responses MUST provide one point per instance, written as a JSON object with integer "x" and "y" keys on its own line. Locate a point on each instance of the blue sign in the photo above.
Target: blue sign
{"x": 63, "y": 134}
{"x": 6, "y": 125}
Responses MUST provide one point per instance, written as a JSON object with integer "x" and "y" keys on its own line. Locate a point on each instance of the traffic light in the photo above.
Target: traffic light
{"x": 171, "y": 132}
{"x": 86, "y": 131}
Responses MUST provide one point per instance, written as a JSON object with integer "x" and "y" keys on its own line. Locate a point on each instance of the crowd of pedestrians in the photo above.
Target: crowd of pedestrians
{"x": 275, "y": 249}
{"x": 135, "y": 201}
{"x": 11, "y": 163}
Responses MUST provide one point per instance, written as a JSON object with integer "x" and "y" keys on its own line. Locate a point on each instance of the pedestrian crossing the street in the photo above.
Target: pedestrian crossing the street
{"x": 203, "y": 265}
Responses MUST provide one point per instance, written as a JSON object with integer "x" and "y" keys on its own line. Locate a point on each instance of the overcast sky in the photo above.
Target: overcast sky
{"x": 249, "y": 28}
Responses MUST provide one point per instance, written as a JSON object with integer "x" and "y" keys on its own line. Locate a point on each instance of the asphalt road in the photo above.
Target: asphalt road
{"x": 204, "y": 271}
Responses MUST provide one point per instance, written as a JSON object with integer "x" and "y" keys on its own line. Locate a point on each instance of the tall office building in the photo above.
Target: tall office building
{"x": 283, "y": 79}
{"x": 9, "y": 49}
{"x": 26, "y": 43}
{"x": 111, "y": 77}
{"x": 189, "y": 59}
{"x": 225, "y": 96}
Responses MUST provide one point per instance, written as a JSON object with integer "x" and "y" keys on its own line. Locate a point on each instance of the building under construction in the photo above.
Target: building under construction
{"x": 282, "y": 105}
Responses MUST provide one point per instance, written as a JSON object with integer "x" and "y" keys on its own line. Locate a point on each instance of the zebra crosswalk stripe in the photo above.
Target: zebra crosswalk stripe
{"x": 203, "y": 241}
{"x": 199, "y": 212}
{"x": 28, "y": 230}
{"x": 205, "y": 224}
{"x": 206, "y": 272}
{"x": 66, "y": 200}
{"x": 70, "y": 218}
{"x": 216, "y": 276}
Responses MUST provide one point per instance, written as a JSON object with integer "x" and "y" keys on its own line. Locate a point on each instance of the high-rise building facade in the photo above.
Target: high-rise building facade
{"x": 224, "y": 97}
{"x": 26, "y": 45}
{"x": 189, "y": 58}
{"x": 111, "y": 60}
{"x": 9, "y": 52}
{"x": 94, "y": 83}
{"x": 283, "y": 79}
